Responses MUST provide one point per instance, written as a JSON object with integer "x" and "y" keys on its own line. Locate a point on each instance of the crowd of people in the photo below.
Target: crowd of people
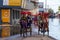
{"x": 26, "y": 21}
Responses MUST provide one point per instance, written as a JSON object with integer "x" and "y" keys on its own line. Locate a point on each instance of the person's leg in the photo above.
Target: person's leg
{"x": 25, "y": 29}
{"x": 0, "y": 33}
{"x": 30, "y": 29}
{"x": 38, "y": 29}
{"x": 21, "y": 30}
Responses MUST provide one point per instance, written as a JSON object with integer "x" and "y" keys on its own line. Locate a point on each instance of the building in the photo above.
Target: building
{"x": 11, "y": 8}
{"x": 9, "y": 11}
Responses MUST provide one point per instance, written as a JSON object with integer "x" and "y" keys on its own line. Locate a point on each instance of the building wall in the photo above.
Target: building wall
{"x": 35, "y": 11}
{"x": 26, "y": 4}
{"x": 23, "y": 4}
{"x": 8, "y": 4}
{"x": 29, "y": 5}
{"x": 1, "y": 2}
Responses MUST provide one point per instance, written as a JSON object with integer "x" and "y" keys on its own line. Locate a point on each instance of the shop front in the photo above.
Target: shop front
{"x": 9, "y": 12}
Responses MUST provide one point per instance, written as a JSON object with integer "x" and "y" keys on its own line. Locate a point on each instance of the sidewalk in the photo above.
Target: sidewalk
{"x": 34, "y": 36}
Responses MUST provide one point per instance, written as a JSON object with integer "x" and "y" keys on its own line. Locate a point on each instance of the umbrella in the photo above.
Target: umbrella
{"x": 23, "y": 12}
{"x": 29, "y": 13}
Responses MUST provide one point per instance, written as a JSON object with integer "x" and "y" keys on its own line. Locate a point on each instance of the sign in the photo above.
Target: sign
{"x": 40, "y": 4}
{"x": 12, "y": 2}
{"x": 41, "y": 9}
{"x": 5, "y": 15}
{"x": 5, "y": 30}
{"x": 5, "y": 2}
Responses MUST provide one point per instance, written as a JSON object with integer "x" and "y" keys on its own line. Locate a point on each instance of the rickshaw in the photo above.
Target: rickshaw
{"x": 43, "y": 27}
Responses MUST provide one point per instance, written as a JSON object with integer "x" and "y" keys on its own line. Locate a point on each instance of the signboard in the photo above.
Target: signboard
{"x": 5, "y": 2}
{"x": 41, "y": 9}
{"x": 40, "y": 4}
{"x": 12, "y": 2}
{"x": 5, "y": 30}
{"x": 5, "y": 15}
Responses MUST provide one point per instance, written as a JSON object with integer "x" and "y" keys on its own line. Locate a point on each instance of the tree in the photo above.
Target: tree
{"x": 50, "y": 11}
{"x": 59, "y": 8}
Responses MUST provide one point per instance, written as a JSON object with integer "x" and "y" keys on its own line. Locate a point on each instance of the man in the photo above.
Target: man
{"x": 29, "y": 21}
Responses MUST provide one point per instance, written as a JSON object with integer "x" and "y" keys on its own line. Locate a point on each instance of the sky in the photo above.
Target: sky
{"x": 52, "y": 4}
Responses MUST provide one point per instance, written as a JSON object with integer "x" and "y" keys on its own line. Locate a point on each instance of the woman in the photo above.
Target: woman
{"x": 23, "y": 23}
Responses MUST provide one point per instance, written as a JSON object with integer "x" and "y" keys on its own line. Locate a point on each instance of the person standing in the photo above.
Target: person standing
{"x": 29, "y": 21}
{"x": 23, "y": 23}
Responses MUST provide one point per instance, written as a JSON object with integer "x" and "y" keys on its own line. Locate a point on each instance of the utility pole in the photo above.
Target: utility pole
{"x": 45, "y": 5}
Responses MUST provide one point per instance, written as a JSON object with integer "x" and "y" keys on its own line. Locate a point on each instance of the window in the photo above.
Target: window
{"x": 16, "y": 14}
